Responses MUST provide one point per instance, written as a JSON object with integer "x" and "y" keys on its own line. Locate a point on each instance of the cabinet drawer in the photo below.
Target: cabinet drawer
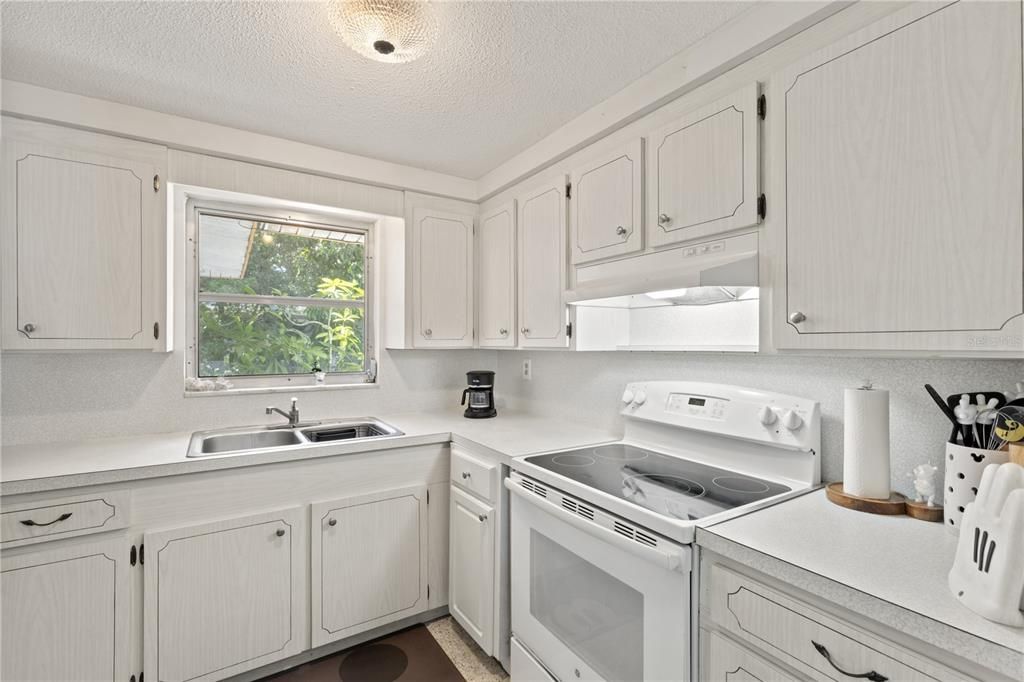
{"x": 474, "y": 475}
{"x": 811, "y": 641}
{"x": 29, "y": 522}
{"x": 727, "y": 661}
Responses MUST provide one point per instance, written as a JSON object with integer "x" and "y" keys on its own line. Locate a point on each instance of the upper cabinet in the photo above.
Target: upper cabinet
{"x": 442, "y": 278}
{"x": 703, "y": 171}
{"x": 82, "y": 231}
{"x": 542, "y": 265}
{"x": 606, "y": 206}
{"x": 496, "y": 277}
{"x": 896, "y": 171}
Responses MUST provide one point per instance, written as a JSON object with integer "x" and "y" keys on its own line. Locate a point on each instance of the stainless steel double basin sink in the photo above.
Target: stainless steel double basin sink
{"x": 250, "y": 439}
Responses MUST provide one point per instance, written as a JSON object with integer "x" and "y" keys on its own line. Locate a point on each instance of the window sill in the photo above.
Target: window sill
{"x": 257, "y": 390}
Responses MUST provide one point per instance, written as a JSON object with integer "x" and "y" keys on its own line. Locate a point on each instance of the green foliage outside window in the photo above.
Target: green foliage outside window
{"x": 250, "y": 339}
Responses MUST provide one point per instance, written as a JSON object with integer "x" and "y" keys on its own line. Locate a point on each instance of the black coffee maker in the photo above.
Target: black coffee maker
{"x": 480, "y": 394}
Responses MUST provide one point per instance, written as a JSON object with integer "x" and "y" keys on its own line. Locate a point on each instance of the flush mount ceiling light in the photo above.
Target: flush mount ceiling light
{"x": 385, "y": 30}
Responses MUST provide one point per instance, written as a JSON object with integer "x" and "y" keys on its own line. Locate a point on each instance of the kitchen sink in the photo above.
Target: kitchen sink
{"x": 243, "y": 440}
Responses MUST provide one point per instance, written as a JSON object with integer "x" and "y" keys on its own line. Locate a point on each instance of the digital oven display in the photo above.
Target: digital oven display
{"x": 699, "y": 402}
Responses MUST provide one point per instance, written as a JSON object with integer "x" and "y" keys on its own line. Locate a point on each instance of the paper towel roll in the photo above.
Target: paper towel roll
{"x": 866, "y": 442}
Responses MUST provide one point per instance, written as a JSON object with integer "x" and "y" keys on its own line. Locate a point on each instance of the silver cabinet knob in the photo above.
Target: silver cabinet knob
{"x": 483, "y": 518}
{"x": 663, "y": 218}
{"x": 29, "y": 328}
{"x": 503, "y": 331}
{"x": 797, "y": 317}
{"x": 525, "y": 330}
{"x": 620, "y": 230}
{"x": 465, "y": 475}
{"x": 280, "y": 532}
{"x": 332, "y": 522}
{"x": 427, "y": 332}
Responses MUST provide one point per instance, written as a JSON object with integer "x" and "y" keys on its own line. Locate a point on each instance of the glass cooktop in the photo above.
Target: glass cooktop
{"x": 675, "y": 487}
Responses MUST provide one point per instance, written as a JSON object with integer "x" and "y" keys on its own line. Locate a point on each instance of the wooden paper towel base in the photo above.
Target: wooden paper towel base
{"x": 894, "y": 506}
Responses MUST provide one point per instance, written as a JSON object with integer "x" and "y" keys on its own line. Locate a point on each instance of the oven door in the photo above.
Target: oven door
{"x": 591, "y": 598}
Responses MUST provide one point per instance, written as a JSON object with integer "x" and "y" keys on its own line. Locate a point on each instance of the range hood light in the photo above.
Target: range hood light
{"x": 666, "y": 294}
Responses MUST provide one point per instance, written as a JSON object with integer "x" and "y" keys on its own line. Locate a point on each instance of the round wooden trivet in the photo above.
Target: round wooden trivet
{"x": 894, "y": 506}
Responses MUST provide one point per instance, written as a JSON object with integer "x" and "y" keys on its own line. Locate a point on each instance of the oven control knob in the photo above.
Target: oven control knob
{"x": 767, "y": 415}
{"x": 640, "y": 397}
{"x": 792, "y": 421}
{"x": 627, "y": 396}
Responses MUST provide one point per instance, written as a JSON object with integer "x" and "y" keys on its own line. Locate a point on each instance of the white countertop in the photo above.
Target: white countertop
{"x": 53, "y": 466}
{"x": 894, "y": 566}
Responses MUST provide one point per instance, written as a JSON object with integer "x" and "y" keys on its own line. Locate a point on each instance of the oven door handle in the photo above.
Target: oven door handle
{"x": 673, "y": 559}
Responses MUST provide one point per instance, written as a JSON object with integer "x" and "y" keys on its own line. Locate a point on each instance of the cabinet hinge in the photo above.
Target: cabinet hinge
{"x": 142, "y": 554}
{"x": 131, "y": 679}
{"x": 133, "y": 556}
{"x": 428, "y": 502}
{"x": 428, "y": 591}
{"x": 568, "y": 191}
{"x": 568, "y": 330}
{"x": 156, "y": 183}
{"x": 156, "y": 330}
{"x": 142, "y": 677}
{"x": 762, "y": 107}
{"x": 762, "y": 207}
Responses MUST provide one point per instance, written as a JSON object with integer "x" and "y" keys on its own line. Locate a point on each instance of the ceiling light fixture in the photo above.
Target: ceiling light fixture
{"x": 392, "y": 31}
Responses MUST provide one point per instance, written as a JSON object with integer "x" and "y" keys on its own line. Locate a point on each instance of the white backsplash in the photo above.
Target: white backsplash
{"x": 71, "y": 396}
{"x": 585, "y": 387}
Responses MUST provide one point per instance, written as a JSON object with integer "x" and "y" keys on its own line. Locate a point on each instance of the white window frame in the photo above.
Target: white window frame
{"x": 321, "y": 221}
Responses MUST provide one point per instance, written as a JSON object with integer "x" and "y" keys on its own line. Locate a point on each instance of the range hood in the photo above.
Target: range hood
{"x": 700, "y": 297}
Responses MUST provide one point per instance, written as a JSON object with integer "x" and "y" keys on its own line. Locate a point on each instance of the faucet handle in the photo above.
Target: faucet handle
{"x": 294, "y": 401}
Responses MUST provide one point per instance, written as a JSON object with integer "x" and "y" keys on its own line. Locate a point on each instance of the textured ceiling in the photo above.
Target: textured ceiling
{"x": 501, "y": 76}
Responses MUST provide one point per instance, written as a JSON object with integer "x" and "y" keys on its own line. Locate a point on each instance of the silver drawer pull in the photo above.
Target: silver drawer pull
{"x": 63, "y": 517}
{"x": 332, "y": 522}
{"x": 873, "y": 676}
{"x": 621, "y": 231}
{"x": 465, "y": 475}
{"x": 29, "y": 327}
{"x": 797, "y": 317}
{"x": 280, "y": 532}
{"x": 483, "y": 518}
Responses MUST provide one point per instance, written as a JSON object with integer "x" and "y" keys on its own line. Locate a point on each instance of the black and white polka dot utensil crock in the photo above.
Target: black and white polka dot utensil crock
{"x": 988, "y": 571}
{"x": 964, "y": 467}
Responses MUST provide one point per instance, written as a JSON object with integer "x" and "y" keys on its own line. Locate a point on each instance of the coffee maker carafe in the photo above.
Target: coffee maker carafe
{"x": 480, "y": 394}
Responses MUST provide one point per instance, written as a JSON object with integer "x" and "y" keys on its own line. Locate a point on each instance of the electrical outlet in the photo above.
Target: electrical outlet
{"x": 527, "y": 370}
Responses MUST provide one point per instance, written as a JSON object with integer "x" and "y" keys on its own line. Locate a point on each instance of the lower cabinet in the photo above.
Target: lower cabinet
{"x": 471, "y": 567}
{"x": 729, "y": 662}
{"x": 65, "y": 613}
{"x": 369, "y": 559}
{"x": 225, "y": 597}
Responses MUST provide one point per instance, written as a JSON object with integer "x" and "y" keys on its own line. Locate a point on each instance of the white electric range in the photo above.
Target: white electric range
{"x": 600, "y": 536}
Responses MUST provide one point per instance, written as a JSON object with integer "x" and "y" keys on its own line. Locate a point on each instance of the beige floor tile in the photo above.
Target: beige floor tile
{"x": 471, "y": 661}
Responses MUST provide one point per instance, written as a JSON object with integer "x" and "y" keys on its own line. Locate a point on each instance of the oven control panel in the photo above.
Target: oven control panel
{"x": 704, "y": 406}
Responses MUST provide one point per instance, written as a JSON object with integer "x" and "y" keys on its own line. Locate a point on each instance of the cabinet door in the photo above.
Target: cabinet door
{"x": 703, "y": 176}
{"x": 542, "y": 265}
{"x": 471, "y": 567}
{"x": 606, "y": 212}
{"x": 726, "y": 661}
{"x": 65, "y": 613}
{"x": 222, "y": 598}
{"x": 369, "y": 561}
{"x": 82, "y": 226}
{"x": 899, "y": 165}
{"x": 496, "y": 277}
{"x": 442, "y": 279}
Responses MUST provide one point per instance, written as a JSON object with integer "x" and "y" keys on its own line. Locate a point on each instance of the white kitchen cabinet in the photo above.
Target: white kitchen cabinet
{"x": 606, "y": 205}
{"x": 225, "y": 597}
{"x": 437, "y": 544}
{"x": 703, "y": 171}
{"x": 471, "y": 567}
{"x": 496, "y": 277}
{"x": 442, "y": 267}
{"x": 542, "y": 265}
{"x": 369, "y": 558}
{"x": 65, "y": 613}
{"x": 896, "y": 166}
{"x": 83, "y": 240}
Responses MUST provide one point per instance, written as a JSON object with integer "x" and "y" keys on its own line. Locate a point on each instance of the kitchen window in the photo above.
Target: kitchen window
{"x": 279, "y": 299}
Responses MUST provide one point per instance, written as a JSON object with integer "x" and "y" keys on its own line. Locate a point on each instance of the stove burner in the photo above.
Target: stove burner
{"x": 627, "y": 454}
{"x": 739, "y": 484}
{"x": 571, "y": 460}
{"x": 676, "y": 484}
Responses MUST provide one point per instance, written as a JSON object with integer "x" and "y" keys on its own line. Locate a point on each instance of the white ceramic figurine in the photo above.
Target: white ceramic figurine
{"x": 923, "y": 483}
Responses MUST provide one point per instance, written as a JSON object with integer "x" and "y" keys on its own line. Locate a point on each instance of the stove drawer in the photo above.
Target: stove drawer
{"x": 812, "y": 642}
{"x": 31, "y": 522}
{"x": 474, "y": 475}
